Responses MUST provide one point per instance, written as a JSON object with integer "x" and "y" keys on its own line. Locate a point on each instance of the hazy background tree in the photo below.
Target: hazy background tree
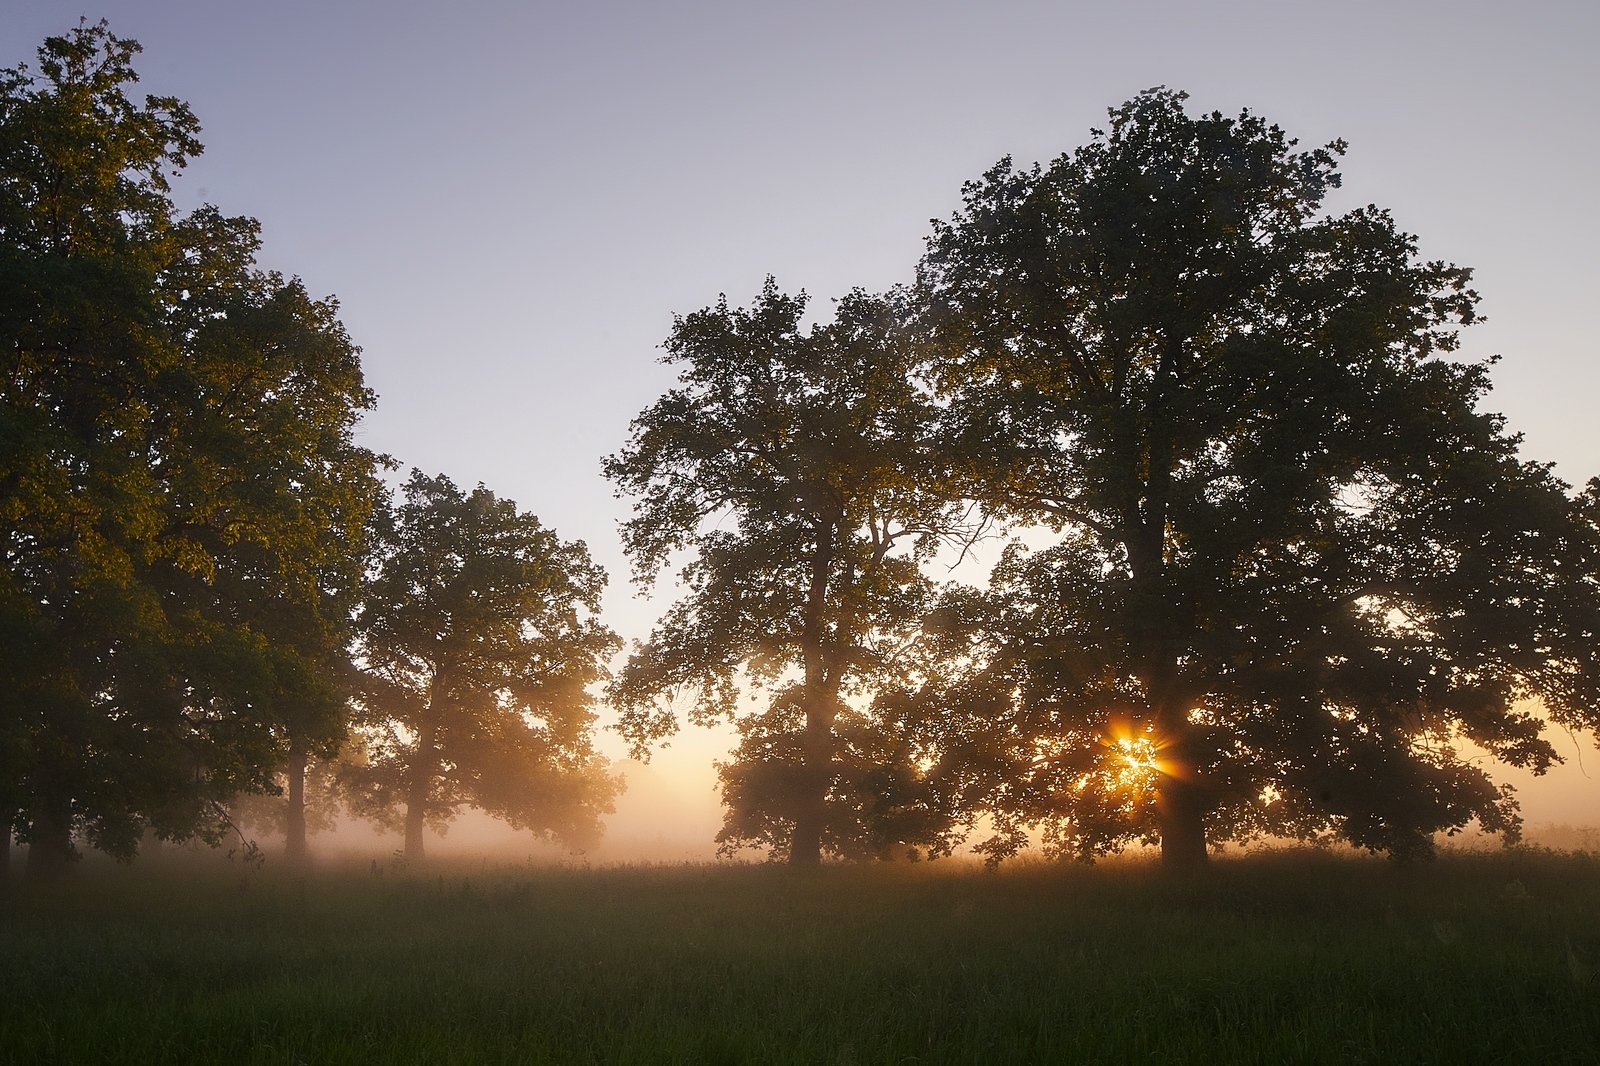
{"x": 479, "y": 639}
{"x": 177, "y": 479}
{"x": 789, "y": 467}
{"x": 1294, "y": 562}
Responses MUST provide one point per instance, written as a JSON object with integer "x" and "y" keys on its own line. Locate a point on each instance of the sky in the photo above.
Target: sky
{"x": 512, "y": 200}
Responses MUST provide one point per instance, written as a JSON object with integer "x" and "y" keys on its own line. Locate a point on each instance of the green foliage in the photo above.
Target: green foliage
{"x": 478, "y": 636}
{"x": 791, "y": 466}
{"x": 181, "y": 500}
{"x": 1293, "y": 555}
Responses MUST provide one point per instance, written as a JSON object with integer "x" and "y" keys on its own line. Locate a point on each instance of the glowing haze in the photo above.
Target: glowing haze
{"x": 511, "y": 200}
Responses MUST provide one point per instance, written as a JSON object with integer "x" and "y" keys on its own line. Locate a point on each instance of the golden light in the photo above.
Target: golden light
{"x": 1135, "y": 757}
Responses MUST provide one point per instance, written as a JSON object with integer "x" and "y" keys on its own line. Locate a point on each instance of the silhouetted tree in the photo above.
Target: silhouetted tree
{"x": 791, "y": 465}
{"x": 176, "y": 472}
{"x": 1295, "y": 562}
{"x": 480, "y": 643}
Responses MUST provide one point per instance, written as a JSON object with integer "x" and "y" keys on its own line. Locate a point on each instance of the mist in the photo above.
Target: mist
{"x": 666, "y": 815}
{"x": 657, "y": 820}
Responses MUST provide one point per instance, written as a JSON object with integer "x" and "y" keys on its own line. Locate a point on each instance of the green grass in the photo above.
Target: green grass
{"x": 1269, "y": 959}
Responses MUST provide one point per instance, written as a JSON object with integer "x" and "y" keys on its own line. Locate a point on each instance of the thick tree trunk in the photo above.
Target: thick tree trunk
{"x": 50, "y": 851}
{"x": 295, "y": 850}
{"x": 806, "y": 847}
{"x": 1161, "y": 623}
{"x": 1182, "y": 798}
{"x": 1181, "y": 806}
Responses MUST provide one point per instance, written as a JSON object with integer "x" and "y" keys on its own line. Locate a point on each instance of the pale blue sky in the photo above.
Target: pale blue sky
{"x": 512, "y": 199}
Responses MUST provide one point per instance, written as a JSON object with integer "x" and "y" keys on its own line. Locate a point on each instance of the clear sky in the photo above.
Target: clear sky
{"x": 512, "y": 199}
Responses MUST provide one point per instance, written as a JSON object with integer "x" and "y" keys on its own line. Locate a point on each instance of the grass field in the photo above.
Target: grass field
{"x": 1487, "y": 958}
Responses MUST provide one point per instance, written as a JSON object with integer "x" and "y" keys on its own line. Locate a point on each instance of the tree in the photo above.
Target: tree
{"x": 479, "y": 638}
{"x": 790, "y": 465}
{"x": 84, "y": 224}
{"x": 279, "y": 498}
{"x": 1295, "y": 562}
{"x": 176, "y": 471}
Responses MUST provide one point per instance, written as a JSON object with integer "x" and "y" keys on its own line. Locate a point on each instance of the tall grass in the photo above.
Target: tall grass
{"x": 1487, "y": 958}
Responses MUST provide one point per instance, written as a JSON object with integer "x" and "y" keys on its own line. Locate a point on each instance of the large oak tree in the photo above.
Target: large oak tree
{"x": 1295, "y": 562}
{"x": 179, "y": 490}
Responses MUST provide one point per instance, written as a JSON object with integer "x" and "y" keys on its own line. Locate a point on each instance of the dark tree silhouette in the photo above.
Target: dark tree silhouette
{"x": 791, "y": 466}
{"x": 1294, "y": 561}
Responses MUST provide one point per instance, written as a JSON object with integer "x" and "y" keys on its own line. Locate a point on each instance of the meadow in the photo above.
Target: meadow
{"x": 1269, "y": 959}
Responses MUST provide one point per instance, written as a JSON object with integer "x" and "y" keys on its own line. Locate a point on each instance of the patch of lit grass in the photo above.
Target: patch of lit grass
{"x": 1267, "y": 959}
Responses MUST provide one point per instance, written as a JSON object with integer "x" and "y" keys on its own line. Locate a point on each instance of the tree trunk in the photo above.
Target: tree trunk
{"x": 50, "y": 851}
{"x": 1180, "y": 804}
{"x": 1182, "y": 797}
{"x": 295, "y": 850}
{"x": 415, "y": 827}
{"x": 5, "y": 852}
{"x": 805, "y": 849}
{"x": 420, "y": 786}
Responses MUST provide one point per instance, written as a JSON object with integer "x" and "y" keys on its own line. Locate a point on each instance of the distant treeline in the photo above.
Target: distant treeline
{"x": 1264, "y": 563}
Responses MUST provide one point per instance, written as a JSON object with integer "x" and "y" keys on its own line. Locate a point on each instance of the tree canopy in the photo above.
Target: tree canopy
{"x": 479, "y": 637}
{"x": 1276, "y": 566}
{"x": 1294, "y": 561}
{"x": 180, "y": 493}
{"x": 789, "y": 466}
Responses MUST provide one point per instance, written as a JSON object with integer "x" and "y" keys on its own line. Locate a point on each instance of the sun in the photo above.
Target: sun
{"x": 1135, "y": 759}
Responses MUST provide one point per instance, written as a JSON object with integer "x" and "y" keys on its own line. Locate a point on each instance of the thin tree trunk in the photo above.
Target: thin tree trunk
{"x": 295, "y": 850}
{"x": 415, "y": 827}
{"x": 5, "y": 851}
{"x": 50, "y": 851}
{"x": 421, "y": 784}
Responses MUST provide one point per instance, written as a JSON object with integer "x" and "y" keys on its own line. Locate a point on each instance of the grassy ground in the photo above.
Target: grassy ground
{"x": 1270, "y": 960}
